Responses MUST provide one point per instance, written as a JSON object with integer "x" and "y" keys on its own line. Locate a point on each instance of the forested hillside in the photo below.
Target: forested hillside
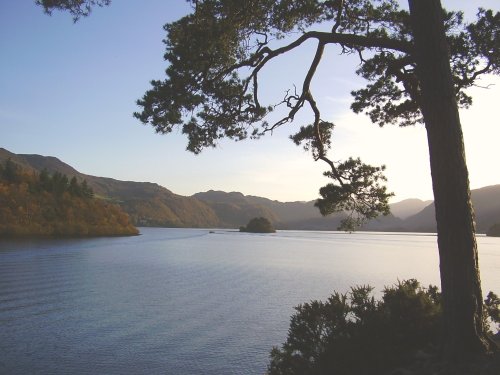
{"x": 234, "y": 209}
{"x": 417, "y": 215}
{"x": 238, "y": 209}
{"x": 44, "y": 204}
{"x": 149, "y": 204}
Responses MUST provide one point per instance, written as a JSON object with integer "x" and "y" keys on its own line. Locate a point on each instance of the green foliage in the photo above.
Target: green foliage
{"x": 492, "y": 310}
{"x": 353, "y": 333}
{"x": 77, "y": 8}
{"x": 216, "y": 54}
{"x": 9, "y": 171}
{"x": 258, "y": 225}
{"x": 362, "y": 196}
{"x": 355, "y": 188}
{"x": 208, "y": 102}
{"x": 58, "y": 184}
{"x": 310, "y": 142}
{"x": 393, "y": 95}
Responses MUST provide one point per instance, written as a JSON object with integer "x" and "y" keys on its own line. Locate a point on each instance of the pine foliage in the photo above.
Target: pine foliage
{"x": 353, "y": 333}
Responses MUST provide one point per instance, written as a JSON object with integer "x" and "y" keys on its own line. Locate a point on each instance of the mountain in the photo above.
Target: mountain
{"x": 236, "y": 208}
{"x": 486, "y": 203}
{"x": 411, "y": 215}
{"x": 4, "y": 155}
{"x": 41, "y": 205}
{"x": 408, "y": 207}
{"x": 150, "y": 204}
{"x": 147, "y": 204}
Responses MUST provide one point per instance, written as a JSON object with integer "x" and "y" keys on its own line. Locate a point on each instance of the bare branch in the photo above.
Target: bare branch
{"x": 264, "y": 54}
{"x": 320, "y": 143}
{"x": 305, "y": 89}
{"x": 467, "y": 80}
{"x": 487, "y": 87}
{"x": 360, "y": 54}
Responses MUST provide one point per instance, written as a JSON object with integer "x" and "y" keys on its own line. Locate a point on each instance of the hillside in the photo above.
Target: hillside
{"x": 238, "y": 208}
{"x": 486, "y": 203}
{"x": 149, "y": 204}
{"x": 41, "y": 204}
{"x": 235, "y": 209}
{"x": 411, "y": 215}
{"x": 408, "y": 207}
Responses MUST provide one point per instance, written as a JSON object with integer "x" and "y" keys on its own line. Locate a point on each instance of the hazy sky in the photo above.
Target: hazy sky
{"x": 69, "y": 90}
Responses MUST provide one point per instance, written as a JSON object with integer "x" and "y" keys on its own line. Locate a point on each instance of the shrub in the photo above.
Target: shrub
{"x": 353, "y": 333}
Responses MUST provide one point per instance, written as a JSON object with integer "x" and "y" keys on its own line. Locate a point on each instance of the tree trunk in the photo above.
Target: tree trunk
{"x": 464, "y": 333}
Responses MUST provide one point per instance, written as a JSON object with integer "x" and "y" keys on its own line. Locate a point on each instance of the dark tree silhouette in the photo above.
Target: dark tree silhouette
{"x": 77, "y": 8}
{"x": 417, "y": 63}
{"x": 460, "y": 282}
{"x": 258, "y": 225}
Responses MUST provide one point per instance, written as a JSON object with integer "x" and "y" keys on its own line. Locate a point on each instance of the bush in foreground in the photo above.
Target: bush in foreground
{"x": 355, "y": 334}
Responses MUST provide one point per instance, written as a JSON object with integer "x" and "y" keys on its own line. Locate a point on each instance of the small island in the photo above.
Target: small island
{"x": 258, "y": 225}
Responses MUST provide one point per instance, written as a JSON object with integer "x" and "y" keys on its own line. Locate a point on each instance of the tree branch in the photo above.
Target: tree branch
{"x": 263, "y": 55}
{"x": 305, "y": 89}
{"x": 339, "y": 17}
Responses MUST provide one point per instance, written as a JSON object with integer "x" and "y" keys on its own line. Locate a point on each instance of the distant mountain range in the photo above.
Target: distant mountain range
{"x": 150, "y": 204}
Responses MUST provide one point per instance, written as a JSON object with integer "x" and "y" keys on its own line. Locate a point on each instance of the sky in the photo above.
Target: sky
{"x": 69, "y": 90}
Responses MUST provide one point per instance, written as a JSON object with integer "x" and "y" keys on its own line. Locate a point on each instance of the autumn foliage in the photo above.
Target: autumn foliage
{"x": 52, "y": 205}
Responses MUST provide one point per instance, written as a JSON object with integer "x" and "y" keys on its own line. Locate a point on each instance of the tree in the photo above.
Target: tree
{"x": 458, "y": 255}
{"x": 417, "y": 63}
{"x": 78, "y": 8}
{"x": 9, "y": 171}
{"x": 74, "y": 188}
{"x": 86, "y": 190}
{"x": 258, "y": 225}
{"x": 353, "y": 333}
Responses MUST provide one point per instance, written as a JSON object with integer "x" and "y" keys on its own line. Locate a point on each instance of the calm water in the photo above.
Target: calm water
{"x": 187, "y": 301}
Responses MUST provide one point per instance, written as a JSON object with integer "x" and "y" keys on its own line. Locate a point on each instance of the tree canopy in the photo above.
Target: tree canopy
{"x": 258, "y": 225}
{"x": 417, "y": 64}
{"x": 217, "y": 53}
{"x": 77, "y": 8}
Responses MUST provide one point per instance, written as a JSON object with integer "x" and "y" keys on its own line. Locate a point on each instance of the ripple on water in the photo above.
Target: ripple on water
{"x": 185, "y": 301}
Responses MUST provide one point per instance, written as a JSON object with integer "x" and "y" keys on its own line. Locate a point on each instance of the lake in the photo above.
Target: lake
{"x": 187, "y": 301}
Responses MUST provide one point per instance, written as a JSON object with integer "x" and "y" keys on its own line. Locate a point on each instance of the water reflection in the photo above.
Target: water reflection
{"x": 186, "y": 301}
